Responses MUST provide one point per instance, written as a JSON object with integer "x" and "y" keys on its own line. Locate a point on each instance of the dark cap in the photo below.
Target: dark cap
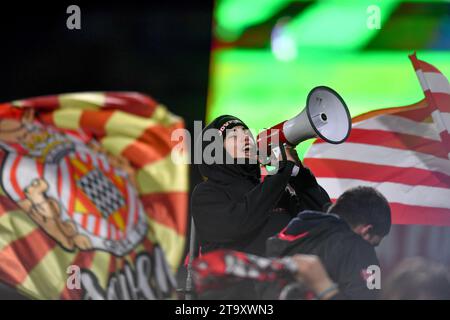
{"x": 224, "y": 123}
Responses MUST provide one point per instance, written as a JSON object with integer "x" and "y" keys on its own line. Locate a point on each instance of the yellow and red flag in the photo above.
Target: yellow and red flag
{"x": 92, "y": 203}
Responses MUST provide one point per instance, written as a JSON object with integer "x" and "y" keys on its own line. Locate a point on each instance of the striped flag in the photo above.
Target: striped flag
{"x": 404, "y": 153}
{"x": 92, "y": 204}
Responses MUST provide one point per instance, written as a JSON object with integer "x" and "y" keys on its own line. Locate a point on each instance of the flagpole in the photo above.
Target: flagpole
{"x": 192, "y": 247}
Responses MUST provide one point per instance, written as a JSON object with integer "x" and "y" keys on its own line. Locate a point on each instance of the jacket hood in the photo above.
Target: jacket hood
{"x": 307, "y": 225}
{"x": 228, "y": 169}
{"x": 307, "y": 220}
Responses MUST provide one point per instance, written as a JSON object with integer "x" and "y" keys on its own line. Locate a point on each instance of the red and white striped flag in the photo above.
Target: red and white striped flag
{"x": 404, "y": 153}
{"x": 437, "y": 92}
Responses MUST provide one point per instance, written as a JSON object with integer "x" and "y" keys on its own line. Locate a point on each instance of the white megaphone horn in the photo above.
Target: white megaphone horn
{"x": 325, "y": 116}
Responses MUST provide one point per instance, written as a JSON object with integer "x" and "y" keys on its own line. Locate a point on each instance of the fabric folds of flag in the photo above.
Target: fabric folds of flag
{"x": 404, "y": 153}
{"x": 89, "y": 182}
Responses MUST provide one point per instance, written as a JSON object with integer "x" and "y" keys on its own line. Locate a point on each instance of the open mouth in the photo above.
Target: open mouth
{"x": 249, "y": 148}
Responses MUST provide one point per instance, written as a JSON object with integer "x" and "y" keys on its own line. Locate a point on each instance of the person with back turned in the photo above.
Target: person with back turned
{"x": 343, "y": 238}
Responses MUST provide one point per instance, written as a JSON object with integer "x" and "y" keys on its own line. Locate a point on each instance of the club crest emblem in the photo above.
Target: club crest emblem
{"x": 81, "y": 195}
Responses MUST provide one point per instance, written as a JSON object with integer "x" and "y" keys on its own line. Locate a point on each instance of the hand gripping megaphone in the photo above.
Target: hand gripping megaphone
{"x": 325, "y": 116}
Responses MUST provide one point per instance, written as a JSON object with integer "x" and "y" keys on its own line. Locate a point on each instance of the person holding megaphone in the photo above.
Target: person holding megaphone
{"x": 232, "y": 208}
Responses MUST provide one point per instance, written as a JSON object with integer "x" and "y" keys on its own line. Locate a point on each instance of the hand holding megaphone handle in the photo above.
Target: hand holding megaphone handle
{"x": 292, "y": 154}
{"x": 279, "y": 157}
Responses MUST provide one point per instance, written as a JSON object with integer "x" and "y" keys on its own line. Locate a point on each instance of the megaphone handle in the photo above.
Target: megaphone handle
{"x": 283, "y": 153}
{"x": 276, "y": 152}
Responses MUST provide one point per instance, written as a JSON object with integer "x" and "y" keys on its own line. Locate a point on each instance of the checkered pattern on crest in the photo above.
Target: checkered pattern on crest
{"x": 102, "y": 192}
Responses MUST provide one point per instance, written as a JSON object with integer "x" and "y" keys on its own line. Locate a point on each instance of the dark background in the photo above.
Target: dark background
{"x": 158, "y": 48}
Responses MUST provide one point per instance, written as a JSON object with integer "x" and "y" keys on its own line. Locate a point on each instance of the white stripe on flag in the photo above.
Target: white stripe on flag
{"x": 394, "y": 192}
{"x": 438, "y": 120}
{"x": 91, "y": 223}
{"x": 401, "y": 125}
{"x": 78, "y": 218}
{"x": 379, "y": 155}
{"x": 433, "y": 81}
{"x": 445, "y": 117}
{"x": 103, "y": 228}
{"x": 26, "y": 172}
{"x": 65, "y": 182}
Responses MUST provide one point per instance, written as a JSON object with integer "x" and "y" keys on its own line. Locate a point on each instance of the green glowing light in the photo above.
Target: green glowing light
{"x": 337, "y": 24}
{"x": 263, "y": 91}
{"x": 234, "y": 16}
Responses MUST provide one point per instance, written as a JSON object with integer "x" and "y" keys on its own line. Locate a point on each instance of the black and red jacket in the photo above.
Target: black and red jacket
{"x": 345, "y": 255}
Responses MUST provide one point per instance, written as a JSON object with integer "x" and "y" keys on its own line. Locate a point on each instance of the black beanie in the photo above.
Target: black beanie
{"x": 222, "y": 124}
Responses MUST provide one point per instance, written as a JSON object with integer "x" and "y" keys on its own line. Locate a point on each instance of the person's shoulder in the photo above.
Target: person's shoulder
{"x": 206, "y": 189}
{"x": 345, "y": 239}
{"x": 353, "y": 245}
{"x": 206, "y": 186}
{"x": 353, "y": 240}
{"x": 201, "y": 188}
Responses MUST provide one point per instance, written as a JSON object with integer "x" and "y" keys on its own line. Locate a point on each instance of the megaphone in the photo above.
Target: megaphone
{"x": 325, "y": 116}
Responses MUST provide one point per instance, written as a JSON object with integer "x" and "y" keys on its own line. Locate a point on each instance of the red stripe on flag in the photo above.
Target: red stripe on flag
{"x": 112, "y": 264}
{"x": 46, "y": 118}
{"x": 154, "y": 144}
{"x": 445, "y": 137}
{"x": 330, "y": 168}
{"x": 6, "y": 204}
{"x": 40, "y": 168}
{"x": 404, "y": 214}
{"x": 135, "y": 103}
{"x": 22, "y": 255}
{"x": 60, "y": 179}
{"x": 431, "y": 101}
{"x": 396, "y": 140}
{"x": 42, "y": 103}
{"x": 409, "y": 214}
{"x": 95, "y": 121}
{"x": 422, "y": 104}
{"x": 7, "y": 110}
{"x": 73, "y": 187}
{"x": 422, "y": 65}
{"x": 14, "y": 182}
{"x": 98, "y": 220}
{"x": 84, "y": 220}
{"x": 418, "y": 115}
{"x": 442, "y": 101}
{"x": 168, "y": 209}
{"x": 108, "y": 235}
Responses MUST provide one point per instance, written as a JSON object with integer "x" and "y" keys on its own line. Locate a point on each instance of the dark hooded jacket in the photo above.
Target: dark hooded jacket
{"x": 344, "y": 254}
{"x": 233, "y": 209}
